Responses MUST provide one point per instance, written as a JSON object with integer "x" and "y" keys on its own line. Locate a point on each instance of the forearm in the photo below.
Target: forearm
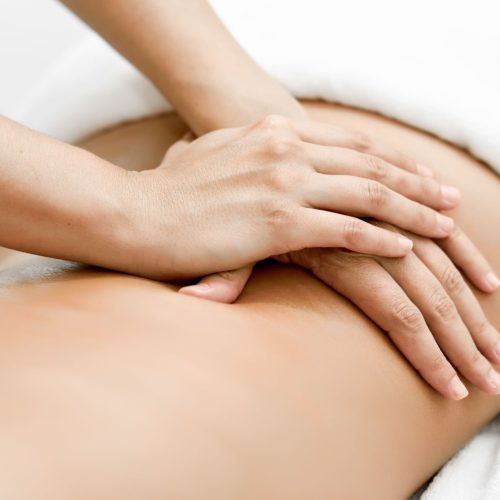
{"x": 55, "y": 199}
{"x": 189, "y": 55}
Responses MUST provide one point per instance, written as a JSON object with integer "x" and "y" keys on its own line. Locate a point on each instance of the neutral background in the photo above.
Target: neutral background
{"x": 33, "y": 33}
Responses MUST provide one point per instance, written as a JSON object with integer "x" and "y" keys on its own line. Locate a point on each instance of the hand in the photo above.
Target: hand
{"x": 421, "y": 300}
{"x": 238, "y": 195}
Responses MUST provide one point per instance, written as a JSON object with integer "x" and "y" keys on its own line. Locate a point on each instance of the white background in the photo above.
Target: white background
{"x": 33, "y": 33}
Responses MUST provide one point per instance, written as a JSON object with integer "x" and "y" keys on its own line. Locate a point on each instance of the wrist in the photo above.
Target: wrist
{"x": 144, "y": 225}
{"x": 105, "y": 227}
{"x": 211, "y": 105}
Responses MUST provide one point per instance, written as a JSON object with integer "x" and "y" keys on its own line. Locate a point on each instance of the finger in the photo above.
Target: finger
{"x": 467, "y": 257}
{"x": 318, "y": 228}
{"x": 361, "y": 197}
{"x": 374, "y": 291}
{"x": 223, "y": 287}
{"x": 341, "y": 161}
{"x": 179, "y": 146}
{"x": 485, "y": 335}
{"x": 444, "y": 321}
{"x": 330, "y": 135}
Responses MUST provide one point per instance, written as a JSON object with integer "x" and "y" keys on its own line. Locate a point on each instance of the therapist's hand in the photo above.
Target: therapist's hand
{"x": 236, "y": 196}
{"x": 420, "y": 300}
{"x": 425, "y": 306}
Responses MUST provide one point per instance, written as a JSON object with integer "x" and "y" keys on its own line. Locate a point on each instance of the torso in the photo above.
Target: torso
{"x": 289, "y": 393}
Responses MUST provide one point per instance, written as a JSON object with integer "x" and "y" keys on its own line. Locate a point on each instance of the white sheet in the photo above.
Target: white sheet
{"x": 434, "y": 65}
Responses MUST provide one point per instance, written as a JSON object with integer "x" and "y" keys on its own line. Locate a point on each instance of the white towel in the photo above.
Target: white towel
{"x": 434, "y": 65}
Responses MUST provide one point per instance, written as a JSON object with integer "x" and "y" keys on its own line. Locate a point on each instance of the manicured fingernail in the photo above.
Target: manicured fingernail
{"x": 405, "y": 244}
{"x": 451, "y": 195}
{"x": 202, "y": 286}
{"x": 424, "y": 171}
{"x": 457, "y": 388}
{"x": 445, "y": 223}
{"x": 199, "y": 287}
{"x": 494, "y": 380}
{"x": 492, "y": 281}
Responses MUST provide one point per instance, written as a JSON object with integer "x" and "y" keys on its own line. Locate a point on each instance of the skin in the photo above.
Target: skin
{"x": 77, "y": 206}
{"x": 431, "y": 300}
{"x": 62, "y": 472}
{"x": 280, "y": 185}
{"x": 289, "y": 393}
{"x": 233, "y": 179}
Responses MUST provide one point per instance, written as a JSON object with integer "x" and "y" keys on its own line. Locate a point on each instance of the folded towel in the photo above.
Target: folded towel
{"x": 434, "y": 65}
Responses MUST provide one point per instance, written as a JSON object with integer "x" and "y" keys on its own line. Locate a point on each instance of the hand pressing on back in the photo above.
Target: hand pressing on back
{"x": 421, "y": 301}
{"x": 236, "y": 196}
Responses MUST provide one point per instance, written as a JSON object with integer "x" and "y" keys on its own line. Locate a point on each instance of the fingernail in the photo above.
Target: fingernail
{"x": 457, "y": 388}
{"x": 424, "y": 171}
{"x": 405, "y": 244}
{"x": 202, "y": 286}
{"x": 494, "y": 380}
{"x": 451, "y": 195}
{"x": 445, "y": 223}
{"x": 199, "y": 287}
{"x": 492, "y": 281}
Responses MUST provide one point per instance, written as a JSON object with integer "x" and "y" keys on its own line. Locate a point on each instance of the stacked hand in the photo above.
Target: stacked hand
{"x": 236, "y": 196}
{"x": 306, "y": 168}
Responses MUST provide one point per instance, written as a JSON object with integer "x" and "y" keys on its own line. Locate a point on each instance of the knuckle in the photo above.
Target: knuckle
{"x": 332, "y": 265}
{"x": 404, "y": 183}
{"x": 273, "y": 122}
{"x": 423, "y": 217}
{"x": 405, "y": 314}
{"x": 473, "y": 360}
{"x": 442, "y": 306}
{"x": 279, "y": 146}
{"x": 405, "y": 162}
{"x": 377, "y": 169}
{"x": 452, "y": 280}
{"x": 476, "y": 358}
{"x": 353, "y": 231}
{"x": 277, "y": 179}
{"x": 438, "y": 363}
{"x": 482, "y": 327}
{"x": 377, "y": 194}
{"x": 285, "y": 180}
{"x": 485, "y": 336}
{"x": 361, "y": 142}
{"x": 279, "y": 217}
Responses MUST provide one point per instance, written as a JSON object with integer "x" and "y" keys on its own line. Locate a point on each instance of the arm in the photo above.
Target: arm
{"x": 185, "y": 50}
{"x": 57, "y": 199}
{"x": 180, "y": 221}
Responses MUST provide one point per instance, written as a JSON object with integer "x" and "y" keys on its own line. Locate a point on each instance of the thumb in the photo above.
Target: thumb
{"x": 223, "y": 287}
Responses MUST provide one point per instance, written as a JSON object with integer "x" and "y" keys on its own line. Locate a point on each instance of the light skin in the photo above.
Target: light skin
{"x": 239, "y": 195}
{"x": 311, "y": 184}
{"x": 138, "y": 213}
{"x": 263, "y": 182}
{"x": 189, "y": 68}
{"x": 413, "y": 297}
{"x": 117, "y": 387}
